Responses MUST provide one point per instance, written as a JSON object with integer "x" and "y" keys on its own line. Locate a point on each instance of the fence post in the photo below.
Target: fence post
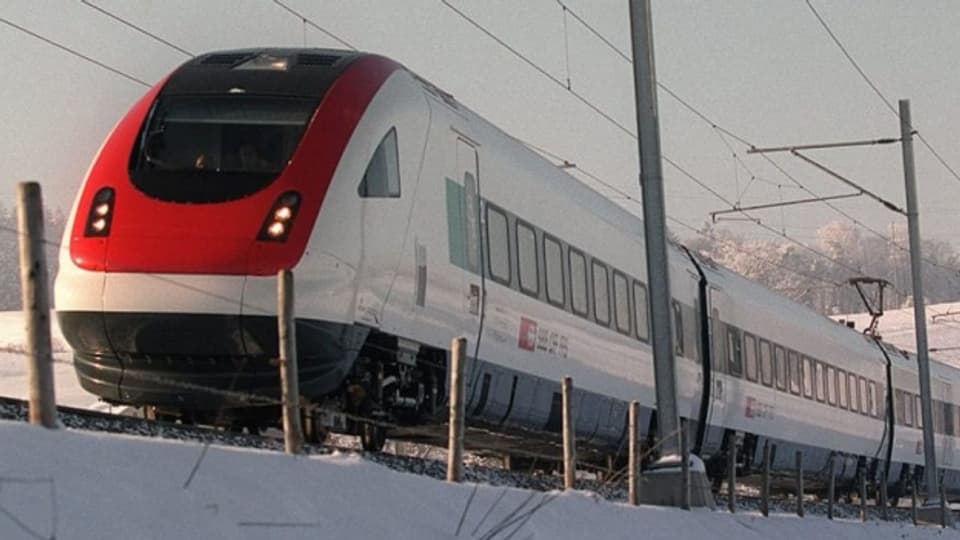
{"x": 36, "y": 304}
{"x": 633, "y": 460}
{"x": 831, "y": 486}
{"x": 863, "y": 491}
{"x": 799, "y": 483}
{"x": 765, "y": 481}
{"x": 684, "y": 466}
{"x": 732, "y": 473}
{"x": 883, "y": 495}
{"x": 913, "y": 497}
{"x": 569, "y": 444}
{"x": 458, "y": 350}
{"x": 289, "y": 374}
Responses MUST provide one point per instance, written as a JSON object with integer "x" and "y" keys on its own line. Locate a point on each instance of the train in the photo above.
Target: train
{"x": 407, "y": 220}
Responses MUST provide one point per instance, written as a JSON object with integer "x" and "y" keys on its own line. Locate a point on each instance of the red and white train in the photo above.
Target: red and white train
{"x": 407, "y": 220}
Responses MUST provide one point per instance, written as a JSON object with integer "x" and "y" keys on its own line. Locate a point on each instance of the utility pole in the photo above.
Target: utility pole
{"x": 662, "y": 485}
{"x": 919, "y": 307}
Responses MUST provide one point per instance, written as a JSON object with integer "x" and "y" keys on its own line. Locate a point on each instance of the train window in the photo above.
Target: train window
{"x": 601, "y": 293}
{"x": 553, "y": 263}
{"x": 734, "y": 352}
{"x": 807, "y": 377}
{"x": 794, "y": 361}
{"x": 907, "y": 399}
{"x": 207, "y": 149}
{"x": 677, "y": 329}
{"x": 899, "y": 407}
{"x": 621, "y": 302}
{"x": 864, "y": 397}
{"x": 641, "y": 309}
{"x": 578, "y": 282}
{"x": 854, "y": 392}
{"x": 718, "y": 342}
{"x": 382, "y": 178}
{"x": 498, "y": 245}
{"x": 750, "y": 357}
{"x": 947, "y": 418}
{"x": 766, "y": 363}
{"x": 831, "y": 385}
{"x": 819, "y": 381}
{"x": 527, "y": 259}
{"x": 781, "y": 366}
{"x": 918, "y": 414}
{"x": 842, "y": 388}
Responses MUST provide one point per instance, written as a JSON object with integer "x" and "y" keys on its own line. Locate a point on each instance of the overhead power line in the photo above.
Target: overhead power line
{"x": 143, "y": 31}
{"x": 74, "y": 52}
{"x": 307, "y": 21}
{"x": 876, "y": 90}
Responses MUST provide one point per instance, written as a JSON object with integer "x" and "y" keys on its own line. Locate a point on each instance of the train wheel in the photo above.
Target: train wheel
{"x": 372, "y": 437}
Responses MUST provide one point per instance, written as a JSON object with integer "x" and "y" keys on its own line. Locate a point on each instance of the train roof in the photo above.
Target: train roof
{"x": 263, "y": 71}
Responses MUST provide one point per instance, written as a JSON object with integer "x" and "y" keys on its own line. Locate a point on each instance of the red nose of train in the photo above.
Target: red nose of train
{"x": 222, "y": 168}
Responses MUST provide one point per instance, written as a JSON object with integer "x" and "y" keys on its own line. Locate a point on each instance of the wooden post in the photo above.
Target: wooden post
{"x": 633, "y": 460}
{"x": 944, "y": 508}
{"x": 883, "y": 495}
{"x": 831, "y": 486}
{"x": 569, "y": 443}
{"x": 863, "y": 492}
{"x": 913, "y": 497}
{"x": 799, "y": 483}
{"x": 289, "y": 374}
{"x": 36, "y": 304}
{"x": 765, "y": 481}
{"x": 732, "y": 473}
{"x": 684, "y": 466}
{"x": 458, "y": 351}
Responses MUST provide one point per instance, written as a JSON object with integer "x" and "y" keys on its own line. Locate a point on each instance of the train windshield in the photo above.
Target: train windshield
{"x": 217, "y": 148}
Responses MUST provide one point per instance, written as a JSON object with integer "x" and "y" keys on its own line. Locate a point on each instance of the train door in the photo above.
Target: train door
{"x": 717, "y": 386}
{"x": 469, "y": 255}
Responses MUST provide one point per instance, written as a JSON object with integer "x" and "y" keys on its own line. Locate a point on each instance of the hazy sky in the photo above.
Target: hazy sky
{"x": 764, "y": 70}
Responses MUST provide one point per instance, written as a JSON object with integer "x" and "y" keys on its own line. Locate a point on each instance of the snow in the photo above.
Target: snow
{"x": 85, "y": 485}
{"x": 896, "y": 327}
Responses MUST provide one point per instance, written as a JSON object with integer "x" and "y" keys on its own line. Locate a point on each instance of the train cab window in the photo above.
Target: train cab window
{"x": 677, "y": 329}
{"x": 527, "y": 259}
{"x": 498, "y": 245}
{"x": 842, "y": 388}
{"x": 734, "y": 352}
{"x": 621, "y": 302}
{"x": 750, "y": 357}
{"x": 601, "y": 293}
{"x": 780, "y": 357}
{"x": 831, "y": 385}
{"x": 217, "y": 148}
{"x": 578, "y": 282}
{"x": 382, "y": 178}
{"x": 553, "y": 265}
{"x": 819, "y": 381}
{"x": 807, "y": 377}
{"x": 641, "y": 310}
{"x": 766, "y": 363}
{"x": 794, "y": 360}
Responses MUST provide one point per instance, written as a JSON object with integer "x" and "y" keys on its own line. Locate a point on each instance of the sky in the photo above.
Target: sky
{"x": 766, "y": 72}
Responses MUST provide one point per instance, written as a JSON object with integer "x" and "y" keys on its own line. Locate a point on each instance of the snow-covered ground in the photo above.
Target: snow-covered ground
{"x": 70, "y": 484}
{"x": 62, "y": 484}
{"x": 896, "y": 327}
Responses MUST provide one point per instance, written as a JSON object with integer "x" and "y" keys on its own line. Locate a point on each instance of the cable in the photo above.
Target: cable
{"x": 877, "y": 91}
{"x": 75, "y": 53}
{"x": 129, "y": 24}
{"x": 306, "y": 20}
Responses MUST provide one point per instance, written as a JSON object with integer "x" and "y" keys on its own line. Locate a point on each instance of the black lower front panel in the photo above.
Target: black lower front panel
{"x": 202, "y": 361}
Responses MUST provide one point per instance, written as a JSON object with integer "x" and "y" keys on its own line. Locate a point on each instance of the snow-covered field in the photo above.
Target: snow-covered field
{"x": 70, "y": 484}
